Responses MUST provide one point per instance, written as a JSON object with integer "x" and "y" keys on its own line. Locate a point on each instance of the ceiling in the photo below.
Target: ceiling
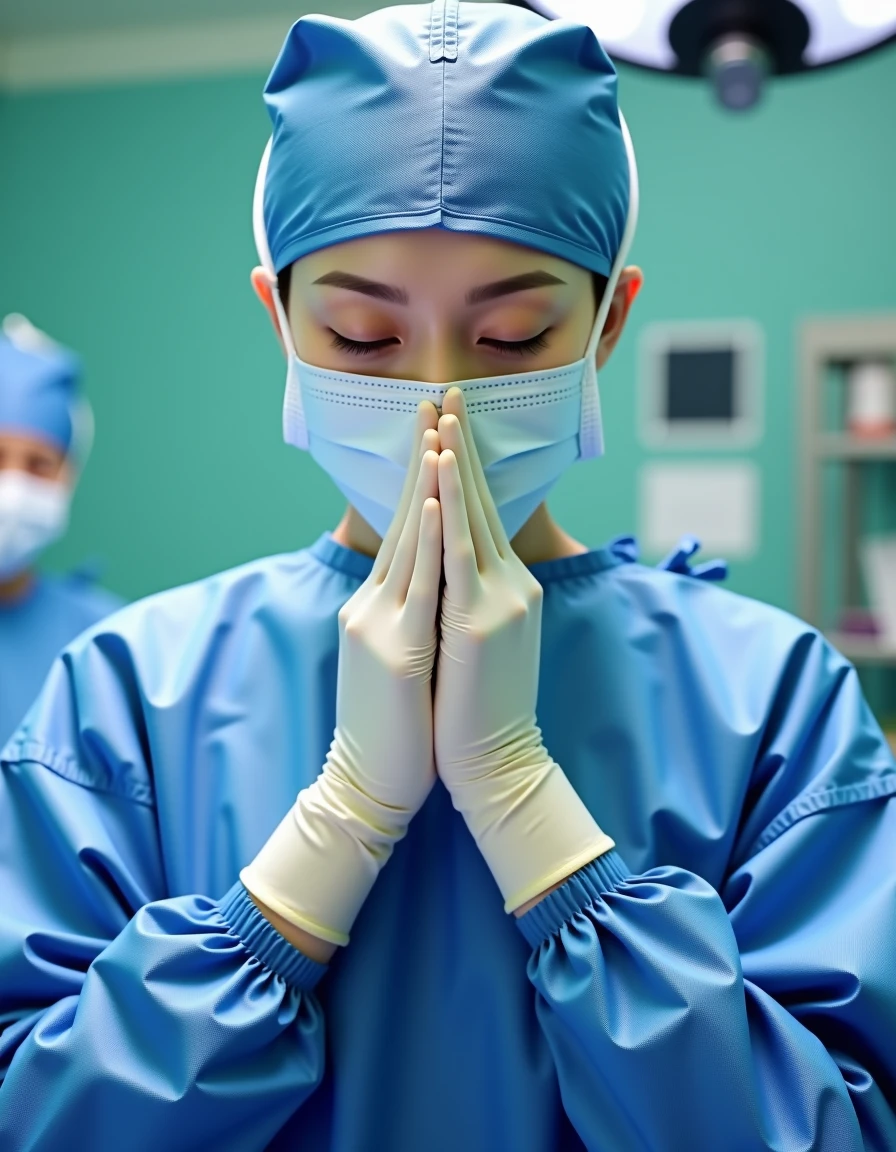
{"x": 43, "y": 17}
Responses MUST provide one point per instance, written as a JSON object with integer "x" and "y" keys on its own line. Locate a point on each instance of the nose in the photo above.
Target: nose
{"x": 441, "y": 359}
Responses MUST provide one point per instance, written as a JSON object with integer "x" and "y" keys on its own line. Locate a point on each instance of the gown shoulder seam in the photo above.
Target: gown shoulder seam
{"x": 881, "y": 788}
{"x": 95, "y": 778}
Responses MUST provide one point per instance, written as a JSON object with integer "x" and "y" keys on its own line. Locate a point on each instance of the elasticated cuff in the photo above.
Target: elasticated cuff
{"x": 579, "y": 892}
{"x": 263, "y": 940}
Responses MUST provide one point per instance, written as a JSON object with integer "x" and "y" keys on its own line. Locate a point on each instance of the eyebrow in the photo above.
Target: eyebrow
{"x": 537, "y": 279}
{"x": 478, "y": 295}
{"x": 366, "y": 287}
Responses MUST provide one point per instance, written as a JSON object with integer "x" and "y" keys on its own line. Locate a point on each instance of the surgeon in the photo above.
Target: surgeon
{"x": 43, "y": 440}
{"x": 446, "y": 832}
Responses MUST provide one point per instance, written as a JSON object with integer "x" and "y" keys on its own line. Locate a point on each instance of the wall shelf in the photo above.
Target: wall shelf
{"x": 863, "y": 650}
{"x": 842, "y": 446}
{"x": 834, "y": 343}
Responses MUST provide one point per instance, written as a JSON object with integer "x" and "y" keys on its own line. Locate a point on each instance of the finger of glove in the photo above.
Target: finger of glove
{"x": 425, "y": 439}
{"x": 455, "y": 404}
{"x": 398, "y": 579}
{"x": 451, "y": 436}
{"x": 458, "y": 550}
{"x": 423, "y": 593}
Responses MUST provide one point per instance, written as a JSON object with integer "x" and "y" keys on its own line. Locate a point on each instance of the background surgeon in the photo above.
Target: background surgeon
{"x": 584, "y": 854}
{"x": 39, "y": 465}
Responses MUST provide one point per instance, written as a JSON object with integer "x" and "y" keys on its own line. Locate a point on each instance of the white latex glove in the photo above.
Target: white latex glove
{"x": 527, "y": 819}
{"x": 319, "y": 865}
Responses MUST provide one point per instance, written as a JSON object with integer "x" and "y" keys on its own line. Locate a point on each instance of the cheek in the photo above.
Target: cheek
{"x": 580, "y": 326}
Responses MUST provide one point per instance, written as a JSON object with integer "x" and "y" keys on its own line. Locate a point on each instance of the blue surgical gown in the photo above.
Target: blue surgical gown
{"x": 722, "y": 980}
{"x": 34, "y": 630}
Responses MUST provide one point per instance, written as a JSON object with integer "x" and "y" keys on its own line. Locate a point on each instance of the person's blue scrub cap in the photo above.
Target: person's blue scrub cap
{"x": 38, "y": 385}
{"x": 473, "y": 117}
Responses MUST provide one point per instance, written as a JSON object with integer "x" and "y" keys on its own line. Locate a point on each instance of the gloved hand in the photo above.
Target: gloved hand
{"x": 528, "y": 821}
{"x": 319, "y": 865}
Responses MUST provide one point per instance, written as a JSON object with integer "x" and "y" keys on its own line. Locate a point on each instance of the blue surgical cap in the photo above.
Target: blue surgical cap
{"x": 37, "y": 390}
{"x": 473, "y": 117}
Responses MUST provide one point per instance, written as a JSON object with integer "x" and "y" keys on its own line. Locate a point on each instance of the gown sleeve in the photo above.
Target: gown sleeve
{"x": 759, "y": 1014}
{"x": 128, "y": 1018}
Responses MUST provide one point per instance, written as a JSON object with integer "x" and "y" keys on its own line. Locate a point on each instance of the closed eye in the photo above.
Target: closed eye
{"x": 518, "y": 347}
{"x": 37, "y": 466}
{"x": 361, "y": 347}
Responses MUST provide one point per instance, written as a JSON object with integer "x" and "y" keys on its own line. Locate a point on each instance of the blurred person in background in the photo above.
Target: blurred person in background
{"x": 44, "y": 429}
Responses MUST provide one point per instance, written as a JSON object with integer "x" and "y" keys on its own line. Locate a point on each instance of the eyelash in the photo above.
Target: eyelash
{"x": 360, "y": 347}
{"x": 511, "y": 347}
{"x": 520, "y": 347}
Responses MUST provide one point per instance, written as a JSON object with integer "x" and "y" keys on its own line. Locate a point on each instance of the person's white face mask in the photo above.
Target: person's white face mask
{"x": 528, "y": 427}
{"x": 33, "y": 513}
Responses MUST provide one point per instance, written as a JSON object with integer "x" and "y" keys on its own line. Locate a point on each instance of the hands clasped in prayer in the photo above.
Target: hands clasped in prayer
{"x": 448, "y": 602}
{"x": 478, "y": 636}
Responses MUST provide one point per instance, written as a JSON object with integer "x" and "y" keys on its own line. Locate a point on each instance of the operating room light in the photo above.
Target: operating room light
{"x": 869, "y": 13}
{"x": 609, "y": 19}
{"x": 735, "y": 44}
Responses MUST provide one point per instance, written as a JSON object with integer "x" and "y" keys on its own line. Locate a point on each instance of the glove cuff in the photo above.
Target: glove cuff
{"x": 318, "y": 866}
{"x": 531, "y": 826}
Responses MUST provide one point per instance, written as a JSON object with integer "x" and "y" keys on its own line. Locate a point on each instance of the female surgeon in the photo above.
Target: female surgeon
{"x": 39, "y": 461}
{"x": 584, "y": 854}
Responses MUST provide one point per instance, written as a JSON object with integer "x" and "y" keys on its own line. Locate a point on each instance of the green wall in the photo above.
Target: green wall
{"x": 125, "y": 232}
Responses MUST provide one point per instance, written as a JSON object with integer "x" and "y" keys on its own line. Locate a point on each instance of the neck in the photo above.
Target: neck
{"x": 540, "y": 538}
{"x": 16, "y": 587}
{"x": 354, "y": 532}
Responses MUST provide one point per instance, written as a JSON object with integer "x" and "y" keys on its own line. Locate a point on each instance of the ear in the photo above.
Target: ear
{"x": 627, "y": 288}
{"x": 264, "y": 284}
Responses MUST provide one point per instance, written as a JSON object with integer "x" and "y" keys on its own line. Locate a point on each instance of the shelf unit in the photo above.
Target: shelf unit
{"x": 862, "y": 650}
{"x": 828, "y": 343}
{"x": 842, "y": 446}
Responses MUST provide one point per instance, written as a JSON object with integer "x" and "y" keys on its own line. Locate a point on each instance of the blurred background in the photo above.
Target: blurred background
{"x": 131, "y": 134}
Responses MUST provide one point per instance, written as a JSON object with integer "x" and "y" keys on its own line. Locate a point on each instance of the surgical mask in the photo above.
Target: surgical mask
{"x": 529, "y": 427}
{"x": 33, "y": 513}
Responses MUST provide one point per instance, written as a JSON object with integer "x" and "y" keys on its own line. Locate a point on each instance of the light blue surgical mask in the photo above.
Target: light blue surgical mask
{"x": 529, "y": 427}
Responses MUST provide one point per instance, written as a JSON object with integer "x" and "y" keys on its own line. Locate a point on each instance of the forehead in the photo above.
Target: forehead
{"x": 465, "y": 258}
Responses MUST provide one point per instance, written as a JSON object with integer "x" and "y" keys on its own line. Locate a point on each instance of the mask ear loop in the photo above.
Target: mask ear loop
{"x": 83, "y": 432}
{"x": 295, "y": 430}
{"x": 591, "y": 442}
